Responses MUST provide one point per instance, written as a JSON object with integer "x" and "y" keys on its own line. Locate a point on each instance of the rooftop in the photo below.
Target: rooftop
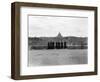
{"x": 59, "y": 35}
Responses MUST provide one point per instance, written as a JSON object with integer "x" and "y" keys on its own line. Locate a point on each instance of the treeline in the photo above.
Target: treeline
{"x": 58, "y": 43}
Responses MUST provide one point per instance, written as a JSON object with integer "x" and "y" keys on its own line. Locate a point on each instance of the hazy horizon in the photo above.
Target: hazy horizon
{"x": 56, "y": 36}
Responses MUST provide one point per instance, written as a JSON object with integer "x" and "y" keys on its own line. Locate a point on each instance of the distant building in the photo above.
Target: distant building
{"x": 58, "y": 42}
{"x": 59, "y": 35}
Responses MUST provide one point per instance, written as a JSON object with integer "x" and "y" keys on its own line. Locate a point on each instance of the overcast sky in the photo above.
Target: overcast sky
{"x": 45, "y": 26}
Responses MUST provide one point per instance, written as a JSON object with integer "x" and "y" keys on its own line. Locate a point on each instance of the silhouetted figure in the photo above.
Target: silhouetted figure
{"x": 58, "y": 45}
{"x": 52, "y": 45}
{"x": 61, "y": 45}
{"x": 65, "y": 46}
{"x": 48, "y": 45}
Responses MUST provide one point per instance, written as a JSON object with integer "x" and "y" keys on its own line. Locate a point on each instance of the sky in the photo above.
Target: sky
{"x": 50, "y": 26}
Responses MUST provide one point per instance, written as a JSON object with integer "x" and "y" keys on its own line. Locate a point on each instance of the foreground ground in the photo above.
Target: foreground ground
{"x": 57, "y": 57}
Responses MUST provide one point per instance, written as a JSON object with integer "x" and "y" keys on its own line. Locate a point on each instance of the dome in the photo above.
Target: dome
{"x": 59, "y": 35}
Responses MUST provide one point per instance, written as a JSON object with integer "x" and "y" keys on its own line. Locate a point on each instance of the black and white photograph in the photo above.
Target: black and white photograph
{"x": 53, "y": 40}
{"x": 57, "y": 40}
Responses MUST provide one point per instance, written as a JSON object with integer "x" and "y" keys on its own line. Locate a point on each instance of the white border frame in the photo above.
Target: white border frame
{"x": 24, "y": 70}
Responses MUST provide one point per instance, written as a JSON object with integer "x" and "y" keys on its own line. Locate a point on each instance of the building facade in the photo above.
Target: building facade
{"x": 58, "y": 42}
